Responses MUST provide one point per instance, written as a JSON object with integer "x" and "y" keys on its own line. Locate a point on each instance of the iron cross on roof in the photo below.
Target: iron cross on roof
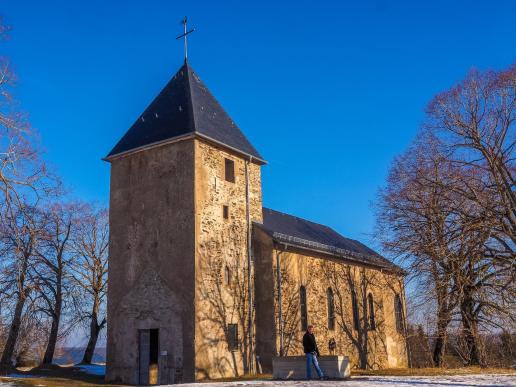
{"x": 184, "y": 35}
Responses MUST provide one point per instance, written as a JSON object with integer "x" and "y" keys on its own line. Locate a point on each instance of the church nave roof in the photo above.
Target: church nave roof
{"x": 304, "y": 234}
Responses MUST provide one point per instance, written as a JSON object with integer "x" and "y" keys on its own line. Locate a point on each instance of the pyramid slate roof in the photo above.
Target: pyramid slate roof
{"x": 308, "y": 235}
{"x": 184, "y": 107}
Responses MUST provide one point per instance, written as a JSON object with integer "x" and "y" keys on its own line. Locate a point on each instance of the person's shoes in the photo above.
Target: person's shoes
{"x": 324, "y": 378}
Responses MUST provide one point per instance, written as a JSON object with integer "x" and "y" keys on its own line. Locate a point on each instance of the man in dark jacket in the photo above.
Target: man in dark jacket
{"x": 312, "y": 352}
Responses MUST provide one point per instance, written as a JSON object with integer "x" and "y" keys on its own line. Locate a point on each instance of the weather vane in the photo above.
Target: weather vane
{"x": 184, "y": 35}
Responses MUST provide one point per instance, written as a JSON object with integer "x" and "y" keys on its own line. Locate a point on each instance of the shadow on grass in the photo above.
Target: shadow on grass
{"x": 53, "y": 376}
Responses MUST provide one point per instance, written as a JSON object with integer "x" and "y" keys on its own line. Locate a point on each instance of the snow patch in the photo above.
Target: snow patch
{"x": 381, "y": 381}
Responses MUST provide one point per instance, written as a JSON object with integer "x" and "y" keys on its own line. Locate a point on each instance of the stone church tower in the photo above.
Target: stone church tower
{"x": 185, "y": 189}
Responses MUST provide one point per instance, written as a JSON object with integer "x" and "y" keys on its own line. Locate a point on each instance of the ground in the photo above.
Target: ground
{"x": 89, "y": 376}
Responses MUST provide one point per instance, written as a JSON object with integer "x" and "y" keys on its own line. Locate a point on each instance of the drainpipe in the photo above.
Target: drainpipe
{"x": 249, "y": 268}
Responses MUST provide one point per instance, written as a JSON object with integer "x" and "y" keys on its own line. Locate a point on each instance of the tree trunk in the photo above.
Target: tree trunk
{"x": 362, "y": 359}
{"x": 54, "y": 330}
{"x": 92, "y": 342}
{"x": 52, "y": 340}
{"x": 440, "y": 341}
{"x": 95, "y": 329}
{"x": 470, "y": 330}
{"x": 14, "y": 331}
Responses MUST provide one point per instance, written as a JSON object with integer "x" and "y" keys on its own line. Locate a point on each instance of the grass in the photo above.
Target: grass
{"x": 57, "y": 376}
{"x": 51, "y": 382}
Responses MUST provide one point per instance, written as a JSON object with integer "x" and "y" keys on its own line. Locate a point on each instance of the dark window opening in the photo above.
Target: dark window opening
{"x": 354, "y": 306}
{"x": 370, "y": 303}
{"x": 303, "y": 308}
{"x": 225, "y": 212}
{"x": 154, "y": 346}
{"x": 229, "y": 170}
{"x": 398, "y": 314}
{"x": 331, "y": 309}
{"x": 227, "y": 275}
{"x": 232, "y": 337}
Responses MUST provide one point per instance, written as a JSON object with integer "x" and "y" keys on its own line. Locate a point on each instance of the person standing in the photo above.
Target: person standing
{"x": 311, "y": 352}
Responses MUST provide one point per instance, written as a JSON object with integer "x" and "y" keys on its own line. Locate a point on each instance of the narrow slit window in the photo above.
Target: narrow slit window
{"x": 354, "y": 306}
{"x": 303, "y": 308}
{"x": 225, "y": 212}
{"x": 370, "y": 304}
{"x": 229, "y": 170}
{"x": 331, "y": 309}
{"x": 227, "y": 275}
{"x": 232, "y": 337}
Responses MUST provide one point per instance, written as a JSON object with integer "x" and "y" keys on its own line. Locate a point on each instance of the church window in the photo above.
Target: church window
{"x": 370, "y": 304}
{"x": 227, "y": 275}
{"x": 232, "y": 337}
{"x": 354, "y": 306}
{"x": 398, "y": 314}
{"x": 225, "y": 212}
{"x": 331, "y": 309}
{"x": 303, "y": 308}
{"x": 229, "y": 170}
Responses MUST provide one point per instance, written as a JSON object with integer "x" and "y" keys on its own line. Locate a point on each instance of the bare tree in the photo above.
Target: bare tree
{"x": 53, "y": 269}
{"x": 31, "y": 343}
{"x": 24, "y": 182}
{"x": 18, "y": 238}
{"x": 475, "y": 121}
{"x": 90, "y": 240}
{"x": 448, "y": 211}
{"x": 415, "y": 223}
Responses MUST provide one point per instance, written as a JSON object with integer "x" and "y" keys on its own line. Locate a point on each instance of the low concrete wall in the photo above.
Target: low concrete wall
{"x": 294, "y": 367}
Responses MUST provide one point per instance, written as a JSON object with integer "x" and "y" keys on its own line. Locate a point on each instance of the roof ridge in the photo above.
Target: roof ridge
{"x": 190, "y": 96}
{"x": 303, "y": 219}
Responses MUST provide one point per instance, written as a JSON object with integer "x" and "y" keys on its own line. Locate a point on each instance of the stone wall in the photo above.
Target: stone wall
{"x": 221, "y": 259}
{"x": 373, "y": 348}
{"x": 151, "y": 260}
{"x": 265, "y": 291}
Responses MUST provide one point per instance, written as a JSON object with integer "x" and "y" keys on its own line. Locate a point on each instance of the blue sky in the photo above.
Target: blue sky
{"x": 329, "y": 91}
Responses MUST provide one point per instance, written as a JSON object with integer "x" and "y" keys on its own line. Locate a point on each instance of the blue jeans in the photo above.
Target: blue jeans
{"x": 311, "y": 358}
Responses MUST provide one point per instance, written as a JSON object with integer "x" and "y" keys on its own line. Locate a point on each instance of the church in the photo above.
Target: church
{"x": 205, "y": 282}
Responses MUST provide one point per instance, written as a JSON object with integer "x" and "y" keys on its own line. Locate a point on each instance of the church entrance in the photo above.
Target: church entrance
{"x": 148, "y": 350}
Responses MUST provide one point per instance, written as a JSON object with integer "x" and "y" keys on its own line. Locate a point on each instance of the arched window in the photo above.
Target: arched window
{"x": 227, "y": 275}
{"x": 331, "y": 309}
{"x": 398, "y": 314}
{"x": 303, "y": 308}
{"x": 354, "y": 306}
{"x": 370, "y": 304}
